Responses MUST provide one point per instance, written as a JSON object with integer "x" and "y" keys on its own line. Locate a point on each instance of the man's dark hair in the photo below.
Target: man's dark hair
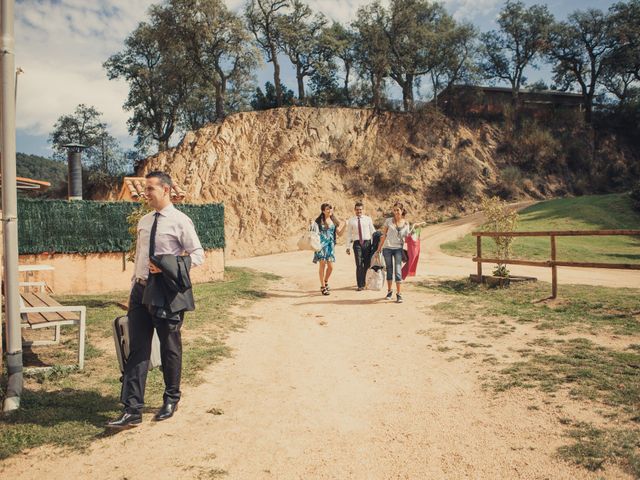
{"x": 164, "y": 178}
{"x": 358, "y": 204}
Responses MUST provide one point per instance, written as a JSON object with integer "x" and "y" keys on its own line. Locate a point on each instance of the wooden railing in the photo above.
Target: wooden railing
{"x": 552, "y": 263}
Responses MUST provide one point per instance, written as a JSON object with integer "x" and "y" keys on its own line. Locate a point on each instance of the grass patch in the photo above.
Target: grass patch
{"x": 583, "y": 308}
{"x": 586, "y": 370}
{"x": 592, "y": 447}
{"x": 68, "y": 408}
{"x": 605, "y": 379}
{"x": 595, "y": 212}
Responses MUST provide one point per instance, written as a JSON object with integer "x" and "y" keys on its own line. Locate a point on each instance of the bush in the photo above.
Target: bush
{"x": 459, "y": 180}
{"x": 510, "y": 183}
{"x": 533, "y": 149}
{"x": 635, "y": 197}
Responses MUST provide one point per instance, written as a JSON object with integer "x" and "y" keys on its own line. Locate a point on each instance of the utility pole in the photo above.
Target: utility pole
{"x": 10, "y": 205}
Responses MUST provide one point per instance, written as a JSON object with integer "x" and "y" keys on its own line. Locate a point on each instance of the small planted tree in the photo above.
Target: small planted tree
{"x": 500, "y": 218}
{"x": 133, "y": 219}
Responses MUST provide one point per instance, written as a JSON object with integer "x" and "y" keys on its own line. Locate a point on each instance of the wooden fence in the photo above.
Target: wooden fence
{"x": 552, "y": 263}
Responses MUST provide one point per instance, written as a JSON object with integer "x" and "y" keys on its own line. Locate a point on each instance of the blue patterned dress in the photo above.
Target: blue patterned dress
{"x": 327, "y": 252}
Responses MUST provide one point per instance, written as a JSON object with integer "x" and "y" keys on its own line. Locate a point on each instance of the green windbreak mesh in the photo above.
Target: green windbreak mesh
{"x": 59, "y": 226}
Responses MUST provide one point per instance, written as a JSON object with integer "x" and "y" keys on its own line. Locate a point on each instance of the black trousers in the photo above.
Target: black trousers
{"x": 141, "y": 325}
{"x": 362, "y": 255}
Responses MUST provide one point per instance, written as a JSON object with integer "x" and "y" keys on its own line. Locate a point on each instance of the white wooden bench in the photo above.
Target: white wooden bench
{"x": 38, "y": 310}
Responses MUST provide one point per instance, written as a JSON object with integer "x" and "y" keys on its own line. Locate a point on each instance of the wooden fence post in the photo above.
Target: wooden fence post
{"x": 554, "y": 268}
{"x": 479, "y": 255}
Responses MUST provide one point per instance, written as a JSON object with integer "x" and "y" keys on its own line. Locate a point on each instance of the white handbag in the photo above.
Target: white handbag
{"x": 310, "y": 240}
{"x": 374, "y": 279}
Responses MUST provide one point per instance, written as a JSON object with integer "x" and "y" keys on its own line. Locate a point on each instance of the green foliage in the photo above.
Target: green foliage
{"x": 533, "y": 148}
{"x": 40, "y": 168}
{"x": 458, "y": 180}
{"x": 268, "y": 99}
{"x": 510, "y": 182}
{"x": 518, "y": 43}
{"x": 635, "y": 197}
{"x": 57, "y": 226}
{"x": 500, "y": 218}
{"x": 263, "y": 18}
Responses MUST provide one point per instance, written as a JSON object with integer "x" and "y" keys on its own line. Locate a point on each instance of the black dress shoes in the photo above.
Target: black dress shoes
{"x": 167, "y": 411}
{"x": 126, "y": 420}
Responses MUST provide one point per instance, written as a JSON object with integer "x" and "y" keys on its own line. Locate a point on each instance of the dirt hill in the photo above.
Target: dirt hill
{"x": 273, "y": 169}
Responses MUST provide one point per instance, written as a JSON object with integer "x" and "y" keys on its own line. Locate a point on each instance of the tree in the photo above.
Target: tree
{"x": 340, "y": 43}
{"x": 300, "y": 39}
{"x": 453, "y": 58}
{"x": 159, "y": 80}
{"x": 519, "y": 43}
{"x": 83, "y": 126}
{"x": 621, "y": 68}
{"x": 580, "y": 48}
{"x": 262, "y": 18}
{"x": 416, "y": 29}
{"x": 372, "y": 48}
{"x": 267, "y": 99}
{"x": 103, "y": 158}
{"x": 218, "y": 50}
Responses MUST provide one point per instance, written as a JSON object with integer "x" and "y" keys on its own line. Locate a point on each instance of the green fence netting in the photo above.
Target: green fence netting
{"x": 59, "y": 226}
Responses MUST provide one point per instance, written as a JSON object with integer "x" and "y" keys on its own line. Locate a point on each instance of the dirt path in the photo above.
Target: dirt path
{"x": 345, "y": 386}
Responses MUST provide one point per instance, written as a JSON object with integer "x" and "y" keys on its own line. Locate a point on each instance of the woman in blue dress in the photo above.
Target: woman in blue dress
{"x": 328, "y": 228}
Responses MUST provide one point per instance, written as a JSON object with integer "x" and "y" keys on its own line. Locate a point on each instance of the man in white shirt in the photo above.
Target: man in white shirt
{"x": 164, "y": 231}
{"x": 359, "y": 233}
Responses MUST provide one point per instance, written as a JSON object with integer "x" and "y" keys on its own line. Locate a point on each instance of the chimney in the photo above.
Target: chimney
{"x": 75, "y": 170}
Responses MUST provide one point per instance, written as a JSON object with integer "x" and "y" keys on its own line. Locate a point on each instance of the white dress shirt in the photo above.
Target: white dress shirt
{"x": 175, "y": 235}
{"x": 366, "y": 224}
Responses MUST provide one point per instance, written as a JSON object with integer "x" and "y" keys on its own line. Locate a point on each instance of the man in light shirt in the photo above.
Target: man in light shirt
{"x": 164, "y": 231}
{"x": 359, "y": 233}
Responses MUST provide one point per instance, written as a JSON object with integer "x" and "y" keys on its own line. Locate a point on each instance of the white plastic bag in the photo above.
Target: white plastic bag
{"x": 310, "y": 240}
{"x": 377, "y": 260}
{"x": 374, "y": 279}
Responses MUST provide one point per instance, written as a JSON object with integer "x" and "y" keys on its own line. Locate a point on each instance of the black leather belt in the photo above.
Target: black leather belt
{"x": 142, "y": 281}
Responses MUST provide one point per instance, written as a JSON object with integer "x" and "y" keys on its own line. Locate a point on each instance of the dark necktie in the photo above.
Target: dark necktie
{"x": 152, "y": 237}
{"x": 360, "y": 233}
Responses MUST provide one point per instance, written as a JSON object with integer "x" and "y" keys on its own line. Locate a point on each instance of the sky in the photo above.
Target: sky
{"x": 62, "y": 44}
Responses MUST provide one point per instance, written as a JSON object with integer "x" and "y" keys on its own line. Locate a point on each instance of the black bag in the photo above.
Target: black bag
{"x": 121, "y": 338}
{"x": 405, "y": 255}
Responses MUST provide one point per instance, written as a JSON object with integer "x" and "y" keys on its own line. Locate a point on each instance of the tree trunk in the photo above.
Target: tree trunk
{"x": 300, "y": 78}
{"x": 219, "y": 101}
{"x": 588, "y": 108}
{"x": 375, "y": 84}
{"x": 276, "y": 76}
{"x": 407, "y": 93}
{"x": 346, "y": 83}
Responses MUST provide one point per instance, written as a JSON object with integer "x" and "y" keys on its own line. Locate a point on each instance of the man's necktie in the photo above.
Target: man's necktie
{"x": 152, "y": 237}
{"x": 360, "y": 233}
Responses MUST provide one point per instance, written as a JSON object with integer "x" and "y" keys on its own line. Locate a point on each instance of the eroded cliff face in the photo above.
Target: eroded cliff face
{"x": 273, "y": 169}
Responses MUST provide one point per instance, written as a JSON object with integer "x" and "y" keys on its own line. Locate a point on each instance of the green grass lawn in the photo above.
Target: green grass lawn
{"x": 64, "y": 407}
{"x": 596, "y": 212}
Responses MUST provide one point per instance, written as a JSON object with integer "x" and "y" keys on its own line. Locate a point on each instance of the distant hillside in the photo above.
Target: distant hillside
{"x": 40, "y": 168}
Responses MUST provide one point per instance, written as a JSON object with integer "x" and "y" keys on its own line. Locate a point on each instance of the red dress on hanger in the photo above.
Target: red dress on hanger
{"x": 413, "y": 251}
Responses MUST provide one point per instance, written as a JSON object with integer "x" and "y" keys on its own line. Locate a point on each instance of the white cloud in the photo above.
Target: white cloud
{"x": 61, "y": 46}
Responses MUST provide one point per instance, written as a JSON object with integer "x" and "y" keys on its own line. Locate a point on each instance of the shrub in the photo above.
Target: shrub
{"x": 635, "y": 197}
{"x": 510, "y": 182}
{"x": 459, "y": 179}
{"x": 500, "y": 218}
{"x": 533, "y": 149}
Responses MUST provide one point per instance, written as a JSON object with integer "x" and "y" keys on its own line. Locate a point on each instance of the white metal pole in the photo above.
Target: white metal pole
{"x": 10, "y": 206}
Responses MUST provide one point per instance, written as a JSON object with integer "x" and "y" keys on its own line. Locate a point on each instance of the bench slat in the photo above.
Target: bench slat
{"x": 43, "y": 300}
{"x": 50, "y": 302}
{"x": 31, "y": 300}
